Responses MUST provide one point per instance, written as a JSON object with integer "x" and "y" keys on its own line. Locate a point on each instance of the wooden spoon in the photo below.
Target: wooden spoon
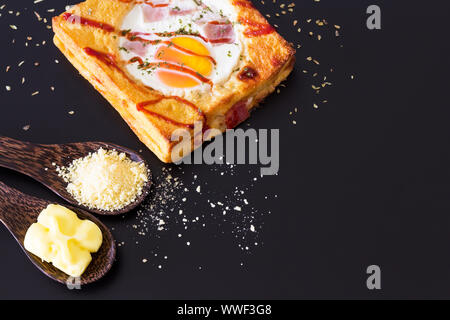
{"x": 19, "y": 211}
{"x": 39, "y": 162}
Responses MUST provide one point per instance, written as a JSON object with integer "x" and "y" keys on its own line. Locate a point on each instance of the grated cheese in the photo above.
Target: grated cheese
{"x": 105, "y": 180}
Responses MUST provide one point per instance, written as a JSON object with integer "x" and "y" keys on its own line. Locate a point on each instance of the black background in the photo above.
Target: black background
{"x": 364, "y": 179}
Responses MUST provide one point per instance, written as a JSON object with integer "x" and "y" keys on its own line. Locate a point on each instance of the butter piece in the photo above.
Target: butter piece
{"x": 62, "y": 239}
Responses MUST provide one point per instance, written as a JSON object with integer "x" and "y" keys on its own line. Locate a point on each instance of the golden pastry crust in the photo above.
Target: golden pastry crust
{"x": 88, "y": 35}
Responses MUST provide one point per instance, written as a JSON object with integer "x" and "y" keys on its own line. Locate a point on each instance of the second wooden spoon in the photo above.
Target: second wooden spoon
{"x": 19, "y": 211}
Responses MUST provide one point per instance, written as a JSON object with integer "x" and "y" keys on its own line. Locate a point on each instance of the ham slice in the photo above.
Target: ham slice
{"x": 208, "y": 16}
{"x": 218, "y": 32}
{"x": 155, "y": 13}
{"x": 237, "y": 114}
{"x": 136, "y": 47}
{"x": 181, "y": 11}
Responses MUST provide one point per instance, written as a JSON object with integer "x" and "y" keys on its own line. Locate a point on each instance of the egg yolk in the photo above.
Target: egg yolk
{"x": 191, "y": 55}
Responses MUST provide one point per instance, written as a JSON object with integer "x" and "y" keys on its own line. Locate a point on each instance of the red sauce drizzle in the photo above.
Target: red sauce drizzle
{"x": 243, "y": 3}
{"x": 248, "y": 73}
{"x": 224, "y": 40}
{"x": 109, "y": 60}
{"x": 87, "y": 22}
{"x": 133, "y": 37}
{"x": 160, "y": 5}
{"x": 257, "y": 28}
{"x": 136, "y": 59}
{"x": 142, "y": 108}
{"x": 170, "y": 66}
{"x": 106, "y": 58}
{"x": 172, "y": 34}
{"x": 218, "y": 23}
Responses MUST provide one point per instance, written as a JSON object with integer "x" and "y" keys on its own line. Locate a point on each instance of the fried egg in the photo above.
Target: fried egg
{"x": 180, "y": 46}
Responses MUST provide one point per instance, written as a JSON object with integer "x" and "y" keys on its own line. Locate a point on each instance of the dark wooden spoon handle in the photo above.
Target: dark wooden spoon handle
{"x": 33, "y": 160}
{"x": 17, "y": 155}
{"x": 15, "y": 209}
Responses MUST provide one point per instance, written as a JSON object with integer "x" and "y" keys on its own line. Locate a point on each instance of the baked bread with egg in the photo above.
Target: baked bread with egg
{"x": 168, "y": 64}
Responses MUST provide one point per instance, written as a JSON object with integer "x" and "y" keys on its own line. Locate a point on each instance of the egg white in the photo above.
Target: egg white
{"x": 227, "y": 56}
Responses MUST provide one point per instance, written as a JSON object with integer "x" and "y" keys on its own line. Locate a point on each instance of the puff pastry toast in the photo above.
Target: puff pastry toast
{"x": 89, "y": 35}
